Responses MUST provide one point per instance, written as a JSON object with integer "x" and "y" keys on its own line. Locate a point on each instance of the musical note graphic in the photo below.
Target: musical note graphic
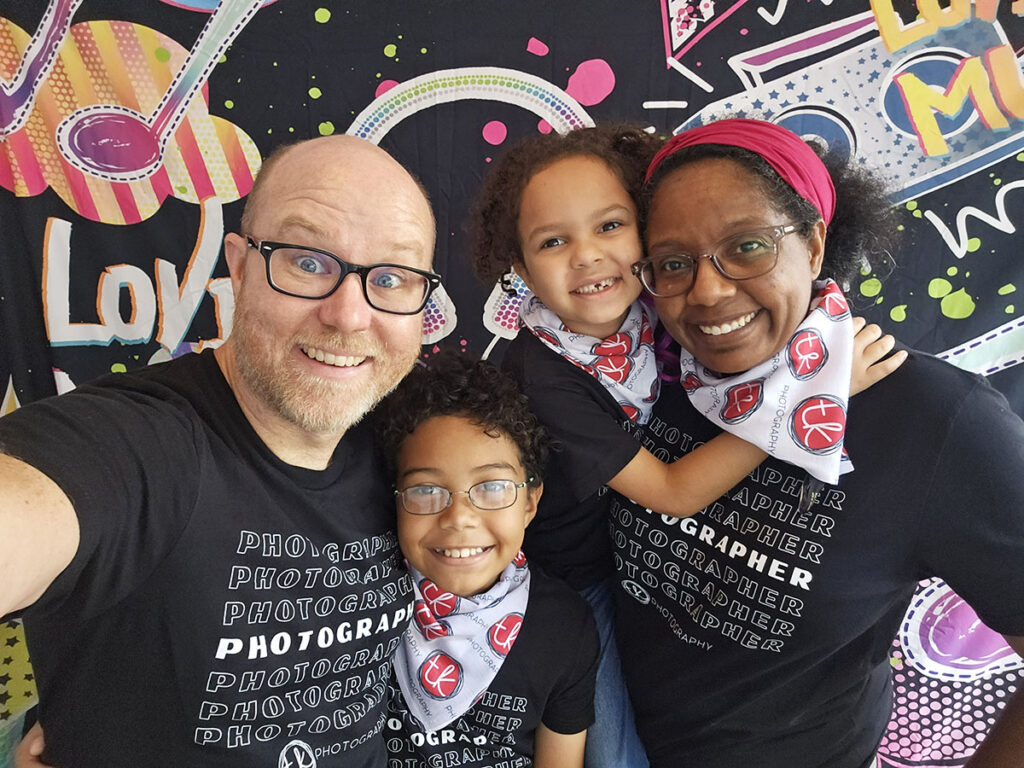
{"x": 117, "y": 143}
{"x": 18, "y": 96}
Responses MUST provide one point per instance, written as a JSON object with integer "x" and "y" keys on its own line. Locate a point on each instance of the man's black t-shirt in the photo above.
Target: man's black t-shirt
{"x": 224, "y": 608}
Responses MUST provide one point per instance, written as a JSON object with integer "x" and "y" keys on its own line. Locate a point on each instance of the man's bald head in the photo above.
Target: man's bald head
{"x": 367, "y": 164}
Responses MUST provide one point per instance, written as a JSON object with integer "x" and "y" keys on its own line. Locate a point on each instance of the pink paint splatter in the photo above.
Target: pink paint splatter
{"x": 495, "y": 132}
{"x": 536, "y": 47}
{"x": 544, "y": 126}
{"x": 744, "y": 31}
{"x": 592, "y": 81}
{"x": 385, "y": 86}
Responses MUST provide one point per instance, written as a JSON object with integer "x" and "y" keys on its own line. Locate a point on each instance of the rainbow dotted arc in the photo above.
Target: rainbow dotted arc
{"x": 509, "y": 86}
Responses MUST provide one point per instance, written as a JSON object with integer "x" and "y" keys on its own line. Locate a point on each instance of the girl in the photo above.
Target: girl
{"x": 560, "y": 211}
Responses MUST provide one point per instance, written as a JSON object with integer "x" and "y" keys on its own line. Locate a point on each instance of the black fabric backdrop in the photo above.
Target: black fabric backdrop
{"x": 91, "y": 264}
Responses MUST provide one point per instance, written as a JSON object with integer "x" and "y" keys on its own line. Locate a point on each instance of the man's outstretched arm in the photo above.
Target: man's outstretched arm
{"x": 38, "y": 533}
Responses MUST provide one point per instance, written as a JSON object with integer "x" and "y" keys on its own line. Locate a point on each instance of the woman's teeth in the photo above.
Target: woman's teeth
{"x": 596, "y": 286}
{"x": 718, "y": 330}
{"x": 340, "y": 361}
{"x": 464, "y": 552}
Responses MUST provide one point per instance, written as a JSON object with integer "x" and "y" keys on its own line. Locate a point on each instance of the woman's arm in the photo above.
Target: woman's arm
{"x": 553, "y": 750}
{"x": 687, "y": 485}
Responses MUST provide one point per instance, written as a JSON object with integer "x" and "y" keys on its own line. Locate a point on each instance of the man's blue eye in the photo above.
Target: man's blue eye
{"x": 388, "y": 280}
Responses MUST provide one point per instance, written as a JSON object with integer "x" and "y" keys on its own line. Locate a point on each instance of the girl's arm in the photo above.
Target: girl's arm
{"x": 558, "y": 750}
{"x": 687, "y": 485}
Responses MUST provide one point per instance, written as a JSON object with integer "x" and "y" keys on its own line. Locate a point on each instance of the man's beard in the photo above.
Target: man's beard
{"x": 316, "y": 405}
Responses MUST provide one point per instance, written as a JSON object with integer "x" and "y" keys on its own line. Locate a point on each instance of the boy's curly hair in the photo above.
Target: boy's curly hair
{"x": 493, "y": 223}
{"x": 455, "y": 384}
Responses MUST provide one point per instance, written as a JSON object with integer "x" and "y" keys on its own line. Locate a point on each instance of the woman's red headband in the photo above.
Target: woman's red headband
{"x": 782, "y": 149}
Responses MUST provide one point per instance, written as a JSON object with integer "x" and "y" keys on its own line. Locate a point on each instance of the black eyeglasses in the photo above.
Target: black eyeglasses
{"x": 310, "y": 273}
{"x": 738, "y": 257}
{"x": 433, "y": 499}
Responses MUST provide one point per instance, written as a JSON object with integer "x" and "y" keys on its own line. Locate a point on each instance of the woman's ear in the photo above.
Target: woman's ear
{"x": 816, "y": 246}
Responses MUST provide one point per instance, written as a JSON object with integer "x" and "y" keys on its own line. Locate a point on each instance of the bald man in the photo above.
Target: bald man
{"x": 204, "y": 549}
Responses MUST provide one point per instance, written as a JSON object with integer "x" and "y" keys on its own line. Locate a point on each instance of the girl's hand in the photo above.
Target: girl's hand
{"x": 870, "y": 364}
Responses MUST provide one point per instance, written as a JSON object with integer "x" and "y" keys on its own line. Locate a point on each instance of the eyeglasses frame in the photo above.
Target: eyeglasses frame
{"x": 778, "y": 232}
{"x": 266, "y": 247}
{"x": 451, "y": 494}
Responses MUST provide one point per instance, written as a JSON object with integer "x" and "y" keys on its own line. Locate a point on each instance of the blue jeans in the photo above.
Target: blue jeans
{"x": 611, "y": 741}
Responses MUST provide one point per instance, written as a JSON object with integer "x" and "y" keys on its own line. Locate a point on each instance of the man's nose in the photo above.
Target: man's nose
{"x": 347, "y": 309}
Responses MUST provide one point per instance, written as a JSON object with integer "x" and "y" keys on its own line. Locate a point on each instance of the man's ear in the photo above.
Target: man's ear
{"x": 235, "y": 247}
{"x": 533, "y": 494}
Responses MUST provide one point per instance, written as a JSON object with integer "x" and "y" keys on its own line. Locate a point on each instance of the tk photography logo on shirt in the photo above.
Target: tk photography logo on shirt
{"x": 297, "y": 754}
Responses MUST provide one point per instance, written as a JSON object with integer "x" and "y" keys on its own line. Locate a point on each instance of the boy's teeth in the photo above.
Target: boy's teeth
{"x": 596, "y": 286}
{"x": 464, "y": 552}
{"x": 718, "y": 330}
{"x": 339, "y": 361}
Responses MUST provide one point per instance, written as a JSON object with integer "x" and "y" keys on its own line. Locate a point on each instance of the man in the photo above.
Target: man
{"x": 204, "y": 549}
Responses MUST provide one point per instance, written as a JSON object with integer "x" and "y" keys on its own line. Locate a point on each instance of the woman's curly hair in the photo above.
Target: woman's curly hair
{"x": 494, "y": 218}
{"x": 863, "y": 229}
{"x": 455, "y": 384}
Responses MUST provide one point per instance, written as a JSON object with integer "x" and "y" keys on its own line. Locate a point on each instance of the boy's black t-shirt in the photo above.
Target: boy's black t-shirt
{"x": 593, "y": 441}
{"x": 547, "y": 677}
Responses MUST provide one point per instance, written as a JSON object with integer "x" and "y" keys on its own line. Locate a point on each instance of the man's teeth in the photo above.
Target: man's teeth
{"x": 340, "y": 361}
{"x": 464, "y": 552}
{"x": 596, "y": 286}
{"x": 718, "y": 330}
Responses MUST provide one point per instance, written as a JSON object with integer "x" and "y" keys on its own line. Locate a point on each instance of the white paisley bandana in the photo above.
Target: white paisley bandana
{"x": 624, "y": 363}
{"x": 793, "y": 405}
{"x": 455, "y": 645}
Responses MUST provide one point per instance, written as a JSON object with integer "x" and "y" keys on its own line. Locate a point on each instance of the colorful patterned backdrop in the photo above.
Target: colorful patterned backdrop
{"x": 130, "y": 132}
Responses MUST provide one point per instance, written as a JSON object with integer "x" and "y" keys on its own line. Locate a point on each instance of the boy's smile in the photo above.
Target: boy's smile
{"x": 462, "y": 549}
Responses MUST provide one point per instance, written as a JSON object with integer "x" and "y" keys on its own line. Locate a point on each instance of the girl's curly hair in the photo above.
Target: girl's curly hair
{"x": 494, "y": 218}
{"x": 863, "y": 229}
{"x": 455, "y": 384}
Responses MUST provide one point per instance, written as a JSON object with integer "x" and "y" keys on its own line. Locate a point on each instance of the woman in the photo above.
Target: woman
{"x": 757, "y": 632}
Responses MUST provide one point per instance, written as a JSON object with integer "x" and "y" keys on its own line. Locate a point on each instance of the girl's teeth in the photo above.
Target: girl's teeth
{"x": 718, "y": 330}
{"x": 339, "y": 361}
{"x": 595, "y": 287}
{"x": 464, "y": 552}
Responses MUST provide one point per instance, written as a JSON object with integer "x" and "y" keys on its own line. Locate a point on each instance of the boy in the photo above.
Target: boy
{"x": 497, "y": 667}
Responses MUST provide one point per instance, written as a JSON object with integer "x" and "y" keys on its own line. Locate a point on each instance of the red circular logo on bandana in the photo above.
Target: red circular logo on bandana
{"x": 616, "y": 368}
{"x": 428, "y": 625}
{"x": 504, "y": 632}
{"x": 741, "y": 400}
{"x": 441, "y": 675}
{"x": 439, "y": 602}
{"x": 631, "y": 411}
{"x": 818, "y": 424}
{"x": 832, "y": 302}
{"x": 619, "y": 344}
{"x": 519, "y": 561}
{"x": 690, "y": 381}
{"x": 806, "y": 354}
